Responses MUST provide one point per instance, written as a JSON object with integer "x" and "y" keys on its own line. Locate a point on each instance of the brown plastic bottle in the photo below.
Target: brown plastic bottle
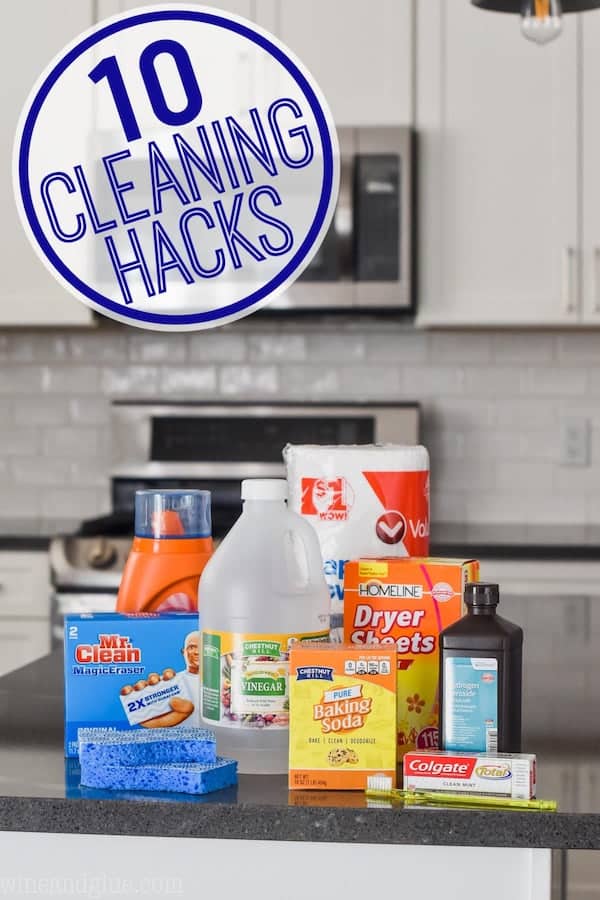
{"x": 480, "y": 678}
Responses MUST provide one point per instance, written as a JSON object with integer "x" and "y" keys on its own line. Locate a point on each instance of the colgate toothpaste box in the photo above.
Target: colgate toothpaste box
{"x": 130, "y": 671}
{"x": 498, "y": 775}
{"x": 366, "y": 500}
{"x": 407, "y": 603}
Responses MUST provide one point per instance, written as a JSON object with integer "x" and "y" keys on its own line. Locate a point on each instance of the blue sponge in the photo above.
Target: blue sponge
{"x": 186, "y": 778}
{"x": 141, "y": 747}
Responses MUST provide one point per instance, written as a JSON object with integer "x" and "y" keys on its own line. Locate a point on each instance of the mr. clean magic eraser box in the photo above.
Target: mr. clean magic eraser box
{"x": 130, "y": 671}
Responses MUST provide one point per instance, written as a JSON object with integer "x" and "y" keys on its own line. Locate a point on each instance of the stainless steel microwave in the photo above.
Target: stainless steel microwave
{"x": 366, "y": 261}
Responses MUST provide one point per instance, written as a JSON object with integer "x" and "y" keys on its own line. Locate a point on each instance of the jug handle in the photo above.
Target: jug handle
{"x": 295, "y": 560}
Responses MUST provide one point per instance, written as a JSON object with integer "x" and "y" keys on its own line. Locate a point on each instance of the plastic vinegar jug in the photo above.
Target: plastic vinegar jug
{"x": 172, "y": 544}
{"x": 262, "y": 590}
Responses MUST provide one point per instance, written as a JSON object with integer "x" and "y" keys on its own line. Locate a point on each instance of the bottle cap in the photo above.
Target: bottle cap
{"x": 264, "y": 489}
{"x": 172, "y": 514}
{"x": 482, "y": 593}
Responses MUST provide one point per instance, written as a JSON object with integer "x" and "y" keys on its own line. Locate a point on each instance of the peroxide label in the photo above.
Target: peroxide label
{"x": 471, "y": 704}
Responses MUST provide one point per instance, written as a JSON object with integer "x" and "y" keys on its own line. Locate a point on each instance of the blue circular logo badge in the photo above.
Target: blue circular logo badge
{"x": 176, "y": 168}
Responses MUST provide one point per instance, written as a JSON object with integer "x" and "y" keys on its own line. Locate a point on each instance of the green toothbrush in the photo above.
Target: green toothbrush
{"x": 430, "y": 798}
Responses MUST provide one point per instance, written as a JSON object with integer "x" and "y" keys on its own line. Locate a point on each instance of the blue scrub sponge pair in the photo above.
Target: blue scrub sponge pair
{"x": 142, "y": 747}
{"x": 182, "y": 760}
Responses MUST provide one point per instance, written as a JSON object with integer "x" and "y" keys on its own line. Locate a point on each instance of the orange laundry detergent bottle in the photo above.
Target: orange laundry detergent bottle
{"x": 171, "y": 546}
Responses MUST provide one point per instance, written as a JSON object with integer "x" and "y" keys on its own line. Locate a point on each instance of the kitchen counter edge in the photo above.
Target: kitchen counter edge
{"x": 42, "y": 794}
{"x": 253, "y": 821}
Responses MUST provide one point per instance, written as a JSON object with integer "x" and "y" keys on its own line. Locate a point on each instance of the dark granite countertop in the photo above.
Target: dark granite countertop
{"x": 40, "y": 792}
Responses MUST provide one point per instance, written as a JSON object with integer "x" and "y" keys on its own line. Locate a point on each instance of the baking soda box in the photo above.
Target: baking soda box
{"x": 407, "y": 603}
{"x": 342, "y": 716}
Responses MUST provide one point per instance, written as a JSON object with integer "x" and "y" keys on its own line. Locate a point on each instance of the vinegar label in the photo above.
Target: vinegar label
{"x": 245, "y": 677}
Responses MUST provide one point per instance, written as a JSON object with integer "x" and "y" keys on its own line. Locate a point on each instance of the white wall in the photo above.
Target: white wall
{"x": 492, "y": 404}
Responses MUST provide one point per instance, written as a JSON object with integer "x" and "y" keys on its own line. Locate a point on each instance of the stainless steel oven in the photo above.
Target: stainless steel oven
{"x": 206, "y": 445}
{"x": 214, "y": 446}
{"x": 241, "y": 440}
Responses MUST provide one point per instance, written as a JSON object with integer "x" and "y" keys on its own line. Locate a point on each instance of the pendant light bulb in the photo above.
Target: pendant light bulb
{"x": 541, "y": 20}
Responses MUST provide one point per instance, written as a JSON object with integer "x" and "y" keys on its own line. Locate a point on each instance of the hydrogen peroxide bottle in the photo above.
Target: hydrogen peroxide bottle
{"x": 480, "y": 677}
{"x": 262, "y": 590}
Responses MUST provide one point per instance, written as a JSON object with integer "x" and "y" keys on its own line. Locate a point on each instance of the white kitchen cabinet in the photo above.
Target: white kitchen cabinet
{"x": 591, "y": 171}
{"x": 360, "y": 54}
{"x": 33, "y": 35}
{"x": 497, "y": 119}
{"x": 361, "y": 59}
{"x": 583, "y": 866}
{"x": 236, "y": 85}
{"x": 22, "y": 641}
{"x": 24, "y": 608}
{"x": 24, "y": 585}
{"x": 112, "y": 7}
{"x": 583, "y": 874}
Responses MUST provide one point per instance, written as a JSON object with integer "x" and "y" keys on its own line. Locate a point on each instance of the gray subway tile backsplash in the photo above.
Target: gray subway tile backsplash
{"x": 219, "y": 346}
{"x": 523, "y": 348}
{"x": 21, "y": 379}
{"x": 20, "y": 440}
{"x": 99, "y": 348}
{"x": 63, "y": 379}
{"x": 130, "y": 381}
{"x": 336, "y": 347}
{"x": 276, "y": 348}
{"x": 38, "y": 409}
{"x": 492, "y": 405}
{"x": 32, "y": 471}
{"x": 450, "y": 347}
{"x": 397, "y": 348}
{"x": 157, "y": 348}
{"x": 88, "y": 410}
{"x": 556, "y": 381}
{"x": 362, "y": 383}
{"x": 575, "y": 349}
{"x": 22, "y": 500}
{"x": 188, "y": 381}
{"x": 73, "y": 442}
{"x": 67, "y": 502}
{"x": 245, "y": 382}
{"x": 433, "y": 381}
{"x": 317, "y": 382}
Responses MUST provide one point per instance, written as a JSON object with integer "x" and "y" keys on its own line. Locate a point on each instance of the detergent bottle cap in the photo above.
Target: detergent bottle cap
{"x": 172, "y": 514}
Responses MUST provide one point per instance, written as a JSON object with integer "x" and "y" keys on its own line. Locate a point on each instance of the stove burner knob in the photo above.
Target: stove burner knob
{"x": 102, "y": 555}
